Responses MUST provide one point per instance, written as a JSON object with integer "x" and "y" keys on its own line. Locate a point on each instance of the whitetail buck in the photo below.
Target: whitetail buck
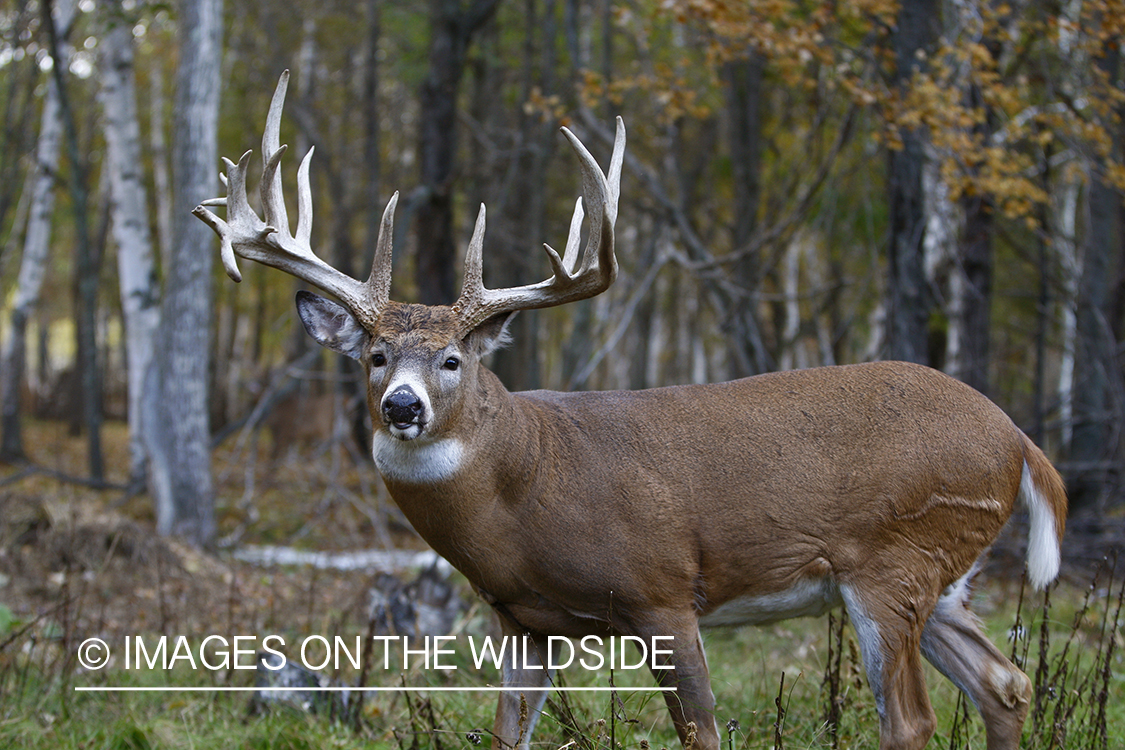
{"x": 652, "y": 513}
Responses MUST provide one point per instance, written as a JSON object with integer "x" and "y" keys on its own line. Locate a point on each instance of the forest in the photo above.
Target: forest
{"x": 806, "y": 183}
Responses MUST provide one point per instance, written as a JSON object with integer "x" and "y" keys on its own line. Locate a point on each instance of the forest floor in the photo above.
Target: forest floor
{"x": 76, "y": 562}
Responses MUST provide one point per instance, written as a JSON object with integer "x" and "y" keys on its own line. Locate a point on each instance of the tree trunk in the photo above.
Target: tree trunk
{"x": 1063, "y": 232}
{"x": 86, "y": 260}
{"x": 33, "y": 265}
{"x": 162, "y": 184}
{"x": 452, "y": 27}
{"x": 176, "y": 392}
{"x": 519, "y": 226}
{"x": 975, "y": 271}
{"x": 20, "y": 103}
{"x": 1094, "y": 444}
{"x": 908, "y": 296}
{"x": 743, "y": 85}
{"x": 974, "y": 258}
{"x": 1091, "y": 446}
{"x": 371, "y": 112}
{"x": 136, "y": 266}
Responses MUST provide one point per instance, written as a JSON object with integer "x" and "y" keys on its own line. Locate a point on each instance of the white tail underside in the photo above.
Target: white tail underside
{"x": 1042, "y": 538}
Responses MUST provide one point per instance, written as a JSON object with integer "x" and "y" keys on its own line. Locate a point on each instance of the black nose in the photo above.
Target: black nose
{"x": 403, "y": 406}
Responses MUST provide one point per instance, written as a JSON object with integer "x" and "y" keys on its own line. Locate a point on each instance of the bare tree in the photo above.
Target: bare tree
{"x": 515, "y": 184}
{"x": 908, "y": 296}
{"x": 20, "y": 104}
{"x": 33, "y": 265}
{"x": 139, "y": 287}
{"x": 1097, "y": 381}
{"x": 743, "y": 87}
{"x": 178, "y": 426}
{"x": 162, "y": 183}
{"x": 1097, "y": 388}
{"x": 453, "y": 24}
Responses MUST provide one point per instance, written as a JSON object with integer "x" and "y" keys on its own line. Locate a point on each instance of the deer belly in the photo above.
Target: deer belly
{"x": 809, "y": 597}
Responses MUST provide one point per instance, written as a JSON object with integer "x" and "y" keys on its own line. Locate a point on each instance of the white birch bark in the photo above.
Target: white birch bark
{"x": 793, "y": 352}
{"x": 815, "y": 267}
{"x": 177, "y": 393}
{"x": 943, "y": 227}
{"x": 1063, "y": 240}
{"x": 33, "y": 264}
{"x": 136, "y": 266}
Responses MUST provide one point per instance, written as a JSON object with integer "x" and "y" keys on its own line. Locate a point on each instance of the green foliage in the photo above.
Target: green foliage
{"x": 8, "y": 620}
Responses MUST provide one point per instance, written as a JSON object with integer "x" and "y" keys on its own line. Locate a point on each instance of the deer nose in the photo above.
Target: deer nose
{"x": 402, "y": 407}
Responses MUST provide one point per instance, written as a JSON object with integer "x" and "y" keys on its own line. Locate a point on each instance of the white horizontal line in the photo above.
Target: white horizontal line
{"x": 229, "y": 689}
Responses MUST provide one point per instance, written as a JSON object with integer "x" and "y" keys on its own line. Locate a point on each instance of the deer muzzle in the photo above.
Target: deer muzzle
{"x": 403, "y": 409}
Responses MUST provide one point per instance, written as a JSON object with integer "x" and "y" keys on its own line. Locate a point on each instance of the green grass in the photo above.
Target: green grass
{"x": 1081, "y": 694}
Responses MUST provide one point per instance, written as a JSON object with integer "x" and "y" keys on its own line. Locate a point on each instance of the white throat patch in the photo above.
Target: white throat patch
{"x": 416, "y": 462}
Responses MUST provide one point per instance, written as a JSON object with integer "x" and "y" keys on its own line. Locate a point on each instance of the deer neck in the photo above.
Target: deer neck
{"x": 457, "y": 483}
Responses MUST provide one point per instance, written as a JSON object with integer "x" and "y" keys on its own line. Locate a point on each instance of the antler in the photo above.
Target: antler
{"x": 577, "y": 275}
{"x": 270, "y": 242}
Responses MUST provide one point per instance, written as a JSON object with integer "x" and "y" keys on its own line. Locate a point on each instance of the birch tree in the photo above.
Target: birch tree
{"x": 177, "y": 426}
{"x": 33, "y": 264}
{"x": 136, "y": 265}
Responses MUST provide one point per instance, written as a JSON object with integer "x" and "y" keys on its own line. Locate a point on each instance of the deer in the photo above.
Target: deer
{"x": 878, "y": 487}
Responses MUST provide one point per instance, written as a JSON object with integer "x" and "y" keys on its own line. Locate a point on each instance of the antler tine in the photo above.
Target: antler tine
{"x": 273, "y": 200}
{"x": 573, "y": 238}
{"x": 379, "y": 283}
{"x": 304, "y": 200}
{"x": 577, "y": 275}
{"x": 613, "y": 183}
{"x": 269, "y": 242}
{"x": 474, "y": 256}
{"x": 613, "y": 176}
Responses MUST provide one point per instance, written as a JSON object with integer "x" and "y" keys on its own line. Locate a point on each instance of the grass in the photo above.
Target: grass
{"x": 775, "y": 687}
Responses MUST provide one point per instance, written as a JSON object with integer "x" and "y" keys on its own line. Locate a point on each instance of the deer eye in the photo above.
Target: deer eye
{"x": 451, "y": 364}
{"x": 378, "y": 359}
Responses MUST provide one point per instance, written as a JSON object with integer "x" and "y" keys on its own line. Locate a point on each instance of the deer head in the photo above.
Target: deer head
{"x": 420, "y": 360}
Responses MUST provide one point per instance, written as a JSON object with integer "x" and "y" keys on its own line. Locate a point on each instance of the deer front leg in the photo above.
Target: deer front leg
{"x": 518, "y": 712}
{"x": 685, "y": 670}
{"x": 889, "y": 633}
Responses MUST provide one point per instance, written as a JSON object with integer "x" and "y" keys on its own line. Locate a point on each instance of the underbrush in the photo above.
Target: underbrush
{"x": 795, "y": 685}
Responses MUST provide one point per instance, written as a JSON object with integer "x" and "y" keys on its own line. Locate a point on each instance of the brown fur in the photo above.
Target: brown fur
{"x": 641, "y": 512}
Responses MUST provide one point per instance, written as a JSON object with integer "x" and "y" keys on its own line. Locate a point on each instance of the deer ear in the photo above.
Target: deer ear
{"x": 491, "y": 335}
{"x": 331, "y": 325}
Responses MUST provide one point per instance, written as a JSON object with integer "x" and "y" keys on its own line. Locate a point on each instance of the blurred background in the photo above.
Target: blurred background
{"x": 806, "y": 183}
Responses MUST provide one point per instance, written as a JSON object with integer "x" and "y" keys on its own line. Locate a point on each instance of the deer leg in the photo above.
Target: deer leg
{"x": 685, "y": 671}
{"x": 889, "y": 638}
{"x": 517, "y": 712}
{"x": 952, "y": 642}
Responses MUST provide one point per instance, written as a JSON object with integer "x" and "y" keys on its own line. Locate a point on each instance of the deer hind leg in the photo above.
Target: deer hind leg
{"x": 889, "y": 636}
{"x": 952, "y": 642}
